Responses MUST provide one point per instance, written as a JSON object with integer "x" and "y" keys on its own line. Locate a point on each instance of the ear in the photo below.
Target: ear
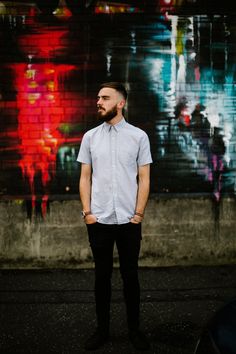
{"x": 121, "y": 104}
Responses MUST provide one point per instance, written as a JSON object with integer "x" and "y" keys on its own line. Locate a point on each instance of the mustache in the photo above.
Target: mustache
{"x": 99, "y": 107}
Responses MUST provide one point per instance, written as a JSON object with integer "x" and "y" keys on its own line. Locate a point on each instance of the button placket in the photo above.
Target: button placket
{"x": 113, "y": 162}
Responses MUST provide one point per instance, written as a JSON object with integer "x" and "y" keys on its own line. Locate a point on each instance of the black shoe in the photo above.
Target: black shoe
{"x": 139, "y": 340}
{"x": 96, "y": 341}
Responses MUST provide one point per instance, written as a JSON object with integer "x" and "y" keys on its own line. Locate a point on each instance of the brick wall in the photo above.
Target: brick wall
{"x": 51, "y": 67}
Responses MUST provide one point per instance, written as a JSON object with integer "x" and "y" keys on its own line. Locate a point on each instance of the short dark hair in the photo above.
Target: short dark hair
{"x": 116, "y": 86}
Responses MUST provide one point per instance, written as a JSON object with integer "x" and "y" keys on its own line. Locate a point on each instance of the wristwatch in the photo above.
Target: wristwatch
{"x": 85, "y": 213}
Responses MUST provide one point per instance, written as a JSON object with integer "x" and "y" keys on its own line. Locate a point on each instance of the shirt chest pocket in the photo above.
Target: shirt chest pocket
{"x": 128, "y": 154}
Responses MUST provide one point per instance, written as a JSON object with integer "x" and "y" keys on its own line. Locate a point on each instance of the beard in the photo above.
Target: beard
{"x": 109, "y": 115}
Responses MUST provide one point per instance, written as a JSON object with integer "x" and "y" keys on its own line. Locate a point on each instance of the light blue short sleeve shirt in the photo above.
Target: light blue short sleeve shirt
{"x": 114, "y": 152}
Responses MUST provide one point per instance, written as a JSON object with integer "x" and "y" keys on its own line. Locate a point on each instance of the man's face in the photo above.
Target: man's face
{"x": 108, "y": 104}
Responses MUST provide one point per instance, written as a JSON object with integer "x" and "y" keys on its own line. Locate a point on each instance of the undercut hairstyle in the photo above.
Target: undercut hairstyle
{"x": 116, "y": 86}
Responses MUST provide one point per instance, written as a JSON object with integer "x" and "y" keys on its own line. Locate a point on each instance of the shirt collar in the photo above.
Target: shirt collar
{"x": 117, "y": 126}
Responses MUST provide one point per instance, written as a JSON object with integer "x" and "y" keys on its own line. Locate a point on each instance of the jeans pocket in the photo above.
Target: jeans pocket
{"x": 94, "y": 223}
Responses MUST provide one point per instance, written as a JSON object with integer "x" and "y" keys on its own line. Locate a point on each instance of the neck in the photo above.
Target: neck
{"x": 116, "y": 119}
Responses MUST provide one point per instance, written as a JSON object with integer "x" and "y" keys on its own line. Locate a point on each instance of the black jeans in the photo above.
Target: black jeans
{"x": 102, "y": 239}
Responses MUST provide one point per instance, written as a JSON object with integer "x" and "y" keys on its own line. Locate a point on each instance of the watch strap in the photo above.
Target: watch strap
{"x": 86, "y": 213}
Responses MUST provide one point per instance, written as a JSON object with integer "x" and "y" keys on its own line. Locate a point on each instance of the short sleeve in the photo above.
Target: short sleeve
{"x": 84, "y": 155}
{"x": 144, "y": 156}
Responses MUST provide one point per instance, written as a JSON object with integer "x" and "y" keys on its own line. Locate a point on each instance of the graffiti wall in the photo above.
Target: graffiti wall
{"x": 179, "y": 69}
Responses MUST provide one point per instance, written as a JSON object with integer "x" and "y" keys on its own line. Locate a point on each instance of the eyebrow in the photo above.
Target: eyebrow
{"x": 105, "y": 96}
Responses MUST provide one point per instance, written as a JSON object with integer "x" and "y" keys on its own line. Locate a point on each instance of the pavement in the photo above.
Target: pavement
{"x": 44, "y": 311}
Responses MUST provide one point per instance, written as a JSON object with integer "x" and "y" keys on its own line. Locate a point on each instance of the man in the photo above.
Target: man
{"x": 114, "y": 189}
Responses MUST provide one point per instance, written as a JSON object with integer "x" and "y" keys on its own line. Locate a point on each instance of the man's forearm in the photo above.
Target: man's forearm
{"x": 143, "y": 189}
{"x": 142, "y": 197}
{"x": 85, "y": 193}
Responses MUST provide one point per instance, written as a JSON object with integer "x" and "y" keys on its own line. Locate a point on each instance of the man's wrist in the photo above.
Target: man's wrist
{"x": 139, "y": 214}
{"x": 85, "y": 213}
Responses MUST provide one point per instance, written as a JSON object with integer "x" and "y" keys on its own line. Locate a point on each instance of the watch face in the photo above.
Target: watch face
{"x": 85, "y": 213}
